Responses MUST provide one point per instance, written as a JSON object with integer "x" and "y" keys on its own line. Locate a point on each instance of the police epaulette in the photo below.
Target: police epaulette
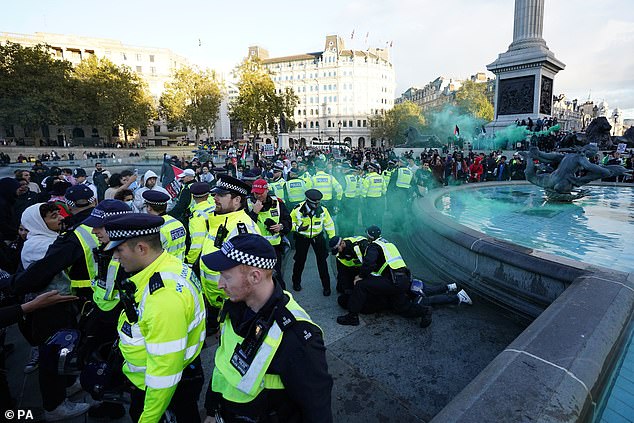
{"x": 156, "y": 283}
{"x": 242, "y": 228}
{"x": 284, "y": 318}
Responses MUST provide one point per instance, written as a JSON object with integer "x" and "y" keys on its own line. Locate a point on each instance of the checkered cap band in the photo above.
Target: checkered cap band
{"x": 245, "y": 258}
{"x": 71, "y": 203}
{"x": 119, "y": 234}
{"x": 231, "y": 187}
{"x": 101, "y": 214}
{"x": 156, "y": 203}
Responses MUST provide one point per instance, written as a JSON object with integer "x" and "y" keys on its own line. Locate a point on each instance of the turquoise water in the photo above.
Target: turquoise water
{"x": 597, "y": 229}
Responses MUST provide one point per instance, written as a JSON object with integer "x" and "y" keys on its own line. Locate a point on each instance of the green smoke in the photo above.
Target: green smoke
{"x": 443, "y": 123}
{"x": 511, "y": 134}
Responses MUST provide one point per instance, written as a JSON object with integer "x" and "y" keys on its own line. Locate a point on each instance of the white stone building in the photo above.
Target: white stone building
{"x": 340, "y": 90}
{"x": 155, "y": 65}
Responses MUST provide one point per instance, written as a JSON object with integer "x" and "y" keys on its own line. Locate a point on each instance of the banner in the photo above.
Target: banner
{"x": 269, "y": 150}
{"x": 169, "y": 179}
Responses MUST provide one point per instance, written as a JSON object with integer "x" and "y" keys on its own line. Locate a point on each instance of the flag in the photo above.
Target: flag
{"x": 169, "y": 178}
{"x": 456, "y": 131}
{"x": 199, "y": 43}
{"x": 391, "y": 42}
{"x": 352, "y": 36}
{"x": 243, "y": 156}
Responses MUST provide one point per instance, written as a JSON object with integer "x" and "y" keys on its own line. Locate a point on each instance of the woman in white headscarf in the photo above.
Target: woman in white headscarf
{"x": 43, "y": 222}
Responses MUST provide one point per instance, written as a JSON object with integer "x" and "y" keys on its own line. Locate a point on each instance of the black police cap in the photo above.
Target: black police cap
{"x": 122, "y": 227}
{"x": 155, "y": 197}
{"x": 313, "y": 195}
{"x": 200, "y": 189}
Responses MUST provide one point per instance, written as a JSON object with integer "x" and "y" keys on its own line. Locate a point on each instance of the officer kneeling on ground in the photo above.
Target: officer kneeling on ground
{"x": 271, "y": 363}
{"x": 384, "y": 282}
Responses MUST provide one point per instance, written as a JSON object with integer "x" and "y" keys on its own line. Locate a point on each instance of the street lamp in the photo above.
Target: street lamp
{"x": 339, "y": 127}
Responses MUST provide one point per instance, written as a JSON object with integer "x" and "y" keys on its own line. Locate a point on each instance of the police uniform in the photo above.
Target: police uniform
{"x": 385, "y": 283}
{"x": 273, "y": 212}
{"x": 270, "y": 365}
{"x": 199, "y": 220}
{"x": 295, "y": 188}
{"x": 161, "y": 342}
{"x": 173, "y": 233}
{"x": 328, "y": 185}
{"x": 223, "y": 227}
{"x": 350, "y": 204}
{"x": 374, "y": 189}
{"x": 277, "y": 185}
{"x": 310, "y": 221}
{"x": 348, "y": 261}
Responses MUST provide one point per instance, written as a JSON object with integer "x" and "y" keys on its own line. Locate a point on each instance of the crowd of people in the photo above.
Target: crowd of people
{"x": 135, "y": 273}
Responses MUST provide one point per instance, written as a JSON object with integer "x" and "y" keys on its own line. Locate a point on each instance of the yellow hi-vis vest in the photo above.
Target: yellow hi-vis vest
{"x": 168, "y": 335}
{"x": 373, "y": 185}
{"x": 352, "y": 186}
{"x": 104, "y": 293}
{"x": 355, "y": 262}
{"x": 277, "y": 188}
{"x": 198, "y": 228}
{"x": 316, "y": 224}
{"x": 327, "y": 184}
{"x": 295, "y": 189}
{"x": 272, "y": 213}
{"x": 404, "y": 177}
{"x": 392, "y": 256}
{"x": 229, "y": 382}
{"x": 387, "y": 174}
{"x": 308, "y": 179}
{"x": 235, "y": 223}
{"x": 173, "y": 236}
{"x": 88, "y": 242}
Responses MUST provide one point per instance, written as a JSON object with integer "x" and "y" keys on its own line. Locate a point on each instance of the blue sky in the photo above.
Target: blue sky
{"x": 453, "y": 38}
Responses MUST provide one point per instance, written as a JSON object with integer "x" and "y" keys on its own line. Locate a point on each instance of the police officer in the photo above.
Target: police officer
{"x": 328, "y": 185}
{"x": 304, "y": 174}
{"x": 350, "y": 203}
{"x": 310, "y": 220}
{"x": 199, "y": 221}
{"x": 273, "y": 220}
{"x": 288, "y": 381}
{"x": 383, "y": 283}
{"x": 349, "y": 253}
{"x": 80, "y": 178}
{"x": 374, "y": 189}
{"x": 161, "y": 343}
{"x": 228, "y": 220}
{"x": 173, "y": 234}
{"x": 277, "y": 183}
{"x": 295, "y": 188}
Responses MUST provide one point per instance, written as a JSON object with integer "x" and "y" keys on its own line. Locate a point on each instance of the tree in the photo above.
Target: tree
{"x": 192, "y": 99}
{"x": 471, "y": 97}
{"x": 257, "y": 105}
{"x": 397, "y": 122}
{"x": 113, "y": 96}
{"x": 35, "y": 88}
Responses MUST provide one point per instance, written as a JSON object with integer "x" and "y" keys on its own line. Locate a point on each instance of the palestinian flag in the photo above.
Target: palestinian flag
{"x": 169, "y": 178}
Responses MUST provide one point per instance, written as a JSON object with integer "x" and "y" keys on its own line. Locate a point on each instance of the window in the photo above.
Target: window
{"x": 317, "y": 124}
{"x": 329, "y": 123}
{"x": 312, "y": 124}
{"x": 123, "y": 56}
{"x": 138, "y": 57}
{"x": 350, "y": 123}
{"x": 334, "y": 99}
{"x": 151, "y": 58}
{"x": 139, "y": 69}
{"x": 365, "y": 123}
{"x": 153, "y": 71}
{"x": 311, "y": 112}
{"x": 358, "y": 123}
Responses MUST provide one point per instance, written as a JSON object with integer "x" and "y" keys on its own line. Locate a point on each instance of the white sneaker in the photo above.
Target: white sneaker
{"x": 464, "y": 298}
{"x": 33, "y": 362}
{"x": 74, "y": 388}
{"x": 66, "y": 410}
{"x": 452, "y": 287}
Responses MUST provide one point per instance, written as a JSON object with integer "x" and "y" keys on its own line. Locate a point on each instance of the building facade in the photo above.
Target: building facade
{"x": 441, "y": 91}
{"x": 340, "y": 91}
{"x": 155, "y": 65}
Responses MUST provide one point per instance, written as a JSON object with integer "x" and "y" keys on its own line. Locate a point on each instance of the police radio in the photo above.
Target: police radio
{"x": 221, "y": 234}
{"x": 126, "y": 296}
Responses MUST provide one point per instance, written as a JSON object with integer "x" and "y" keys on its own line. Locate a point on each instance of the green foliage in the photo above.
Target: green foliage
{"x": 192, "y": 99}
{"x": 471, "y": 97}
{"x": 396, "y": 123}
{"x": 112, "y": 95}
{"x": 258, "y": 106}
{"x": 35, "y": 89}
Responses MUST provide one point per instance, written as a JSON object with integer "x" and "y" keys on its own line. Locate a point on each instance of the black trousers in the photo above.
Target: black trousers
{"x": 279, "y": 253}
{"x": 184, "y": 403}
{"x": 321, "y": 253}
{"x": 372, "y": 212}
{"x": 436, "y": 295}
{"x": 345, "y": 277}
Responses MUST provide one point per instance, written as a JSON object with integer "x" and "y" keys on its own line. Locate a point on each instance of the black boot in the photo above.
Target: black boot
{"x": 350, "y": 319}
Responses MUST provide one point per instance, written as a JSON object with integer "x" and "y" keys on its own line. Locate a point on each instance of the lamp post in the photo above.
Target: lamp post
{"x": 339, "y": 128}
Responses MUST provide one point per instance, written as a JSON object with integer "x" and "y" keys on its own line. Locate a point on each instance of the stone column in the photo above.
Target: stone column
{"x": 528, "y": 24}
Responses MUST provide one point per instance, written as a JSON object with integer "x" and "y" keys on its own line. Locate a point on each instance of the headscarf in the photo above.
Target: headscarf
{"x": 39, "y": 238}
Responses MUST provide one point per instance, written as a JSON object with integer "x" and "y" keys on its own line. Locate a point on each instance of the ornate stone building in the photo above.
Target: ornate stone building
{"x": 339, "y": 91}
